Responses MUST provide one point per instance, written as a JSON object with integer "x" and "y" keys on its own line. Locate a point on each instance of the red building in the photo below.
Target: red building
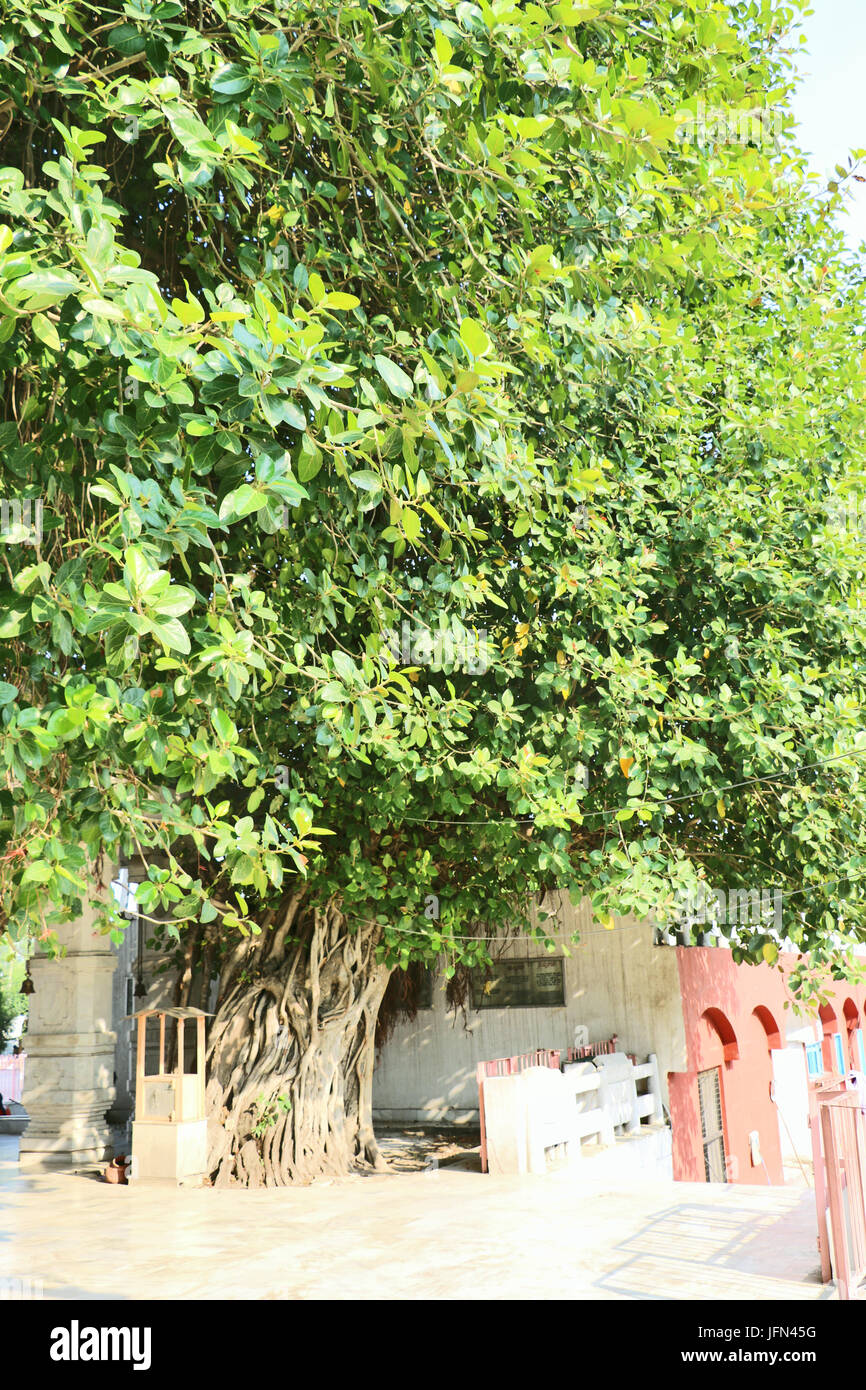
{"x": 742, "y": 1104}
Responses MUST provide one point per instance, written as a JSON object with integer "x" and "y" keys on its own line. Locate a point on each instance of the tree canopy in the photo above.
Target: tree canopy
{"x": 319, "y": 320}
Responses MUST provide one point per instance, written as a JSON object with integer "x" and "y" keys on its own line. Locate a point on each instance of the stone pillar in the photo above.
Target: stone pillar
{"x": 68, "y": 1078}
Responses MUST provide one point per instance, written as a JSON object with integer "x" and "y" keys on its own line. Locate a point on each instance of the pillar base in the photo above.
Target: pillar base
{"x": 66, "y": 1146}
{"x": 63, "y": 1160}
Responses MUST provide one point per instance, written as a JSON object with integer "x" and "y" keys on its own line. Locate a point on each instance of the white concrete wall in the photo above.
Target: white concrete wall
{"x": 615, "y": 982}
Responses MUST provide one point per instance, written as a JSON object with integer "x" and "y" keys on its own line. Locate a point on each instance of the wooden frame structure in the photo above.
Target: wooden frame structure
{"x": 179, "y": 1111}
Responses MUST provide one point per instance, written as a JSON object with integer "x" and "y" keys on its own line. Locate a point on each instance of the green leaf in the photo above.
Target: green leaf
{"x": 371, "y": 482}
{"x": 345, "y": 665}
{"x": 61, "y": 633}
{"x": 474, "y": 336}
{"x": 241, "y": 502}
{"x": 293, "y": 416}
{"x": 37, "y": 873}
{"x": 41, "y": 289}
{"x": 230, "y": 80}
{"x": 444, "y": 48}
{"x": 126, "y": 39}
{"x": 224, "y": 726}
{"x": 435, "y": 515}
{"x": 570, "y": 14}
{"x": 171, "y": 634}
{"x": 398, "y": 383}
{"x": 310, "y": 460}
{"x": 138, "y": 569}
{"x": 188, "y": 310}
{"x": 466, "y": 381}
{"x": 530, "y": 127}
{"x": 335, "y": 299}
{"x": 45, "y": 331}
{"x": 174, "y": 602}
{"x": 12, "y": 622}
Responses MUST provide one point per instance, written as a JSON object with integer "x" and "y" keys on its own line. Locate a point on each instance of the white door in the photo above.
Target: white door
{"x": 791, "y": 1090}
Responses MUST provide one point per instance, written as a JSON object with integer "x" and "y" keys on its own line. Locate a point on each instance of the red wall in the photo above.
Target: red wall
{"x": 710, "y": 980}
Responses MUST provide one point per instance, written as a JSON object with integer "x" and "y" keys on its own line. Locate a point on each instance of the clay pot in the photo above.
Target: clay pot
{"x": 116, "y": 1170}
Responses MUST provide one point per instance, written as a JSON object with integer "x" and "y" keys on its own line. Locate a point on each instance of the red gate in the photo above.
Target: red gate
{"x": 838, "y": 1120}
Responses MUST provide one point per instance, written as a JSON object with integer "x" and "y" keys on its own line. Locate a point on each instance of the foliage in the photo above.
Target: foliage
{"x": 316, "y": 319}
{"x": 270, "y": 1112}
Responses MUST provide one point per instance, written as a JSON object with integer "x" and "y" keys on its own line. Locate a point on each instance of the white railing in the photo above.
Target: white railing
{"x": 649, "y": 1105}
{"x": 539, "y": 1108}
{"x": 590, "y": 1119}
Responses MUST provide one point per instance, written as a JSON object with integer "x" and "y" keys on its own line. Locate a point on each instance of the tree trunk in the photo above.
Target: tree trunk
{"x": 291, "y": 1053}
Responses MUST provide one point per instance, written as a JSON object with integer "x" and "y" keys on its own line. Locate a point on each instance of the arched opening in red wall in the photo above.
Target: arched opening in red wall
{"x": 769, "y": 1025}
{"x": 721, "y": 1026}
{"x": 851, "y": 1015}
{"x": 760, "y": 1036}
{"x": 834, "y": 1059}
{"x": 829, "y": 1021}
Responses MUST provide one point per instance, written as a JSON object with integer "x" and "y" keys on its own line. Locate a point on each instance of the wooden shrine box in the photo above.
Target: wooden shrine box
{"x": 169, "y": 1132}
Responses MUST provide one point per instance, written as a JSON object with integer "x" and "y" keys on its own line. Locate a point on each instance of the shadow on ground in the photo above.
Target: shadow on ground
{"x": 693, "y": 1250}
{"x": 420, "y": 1151}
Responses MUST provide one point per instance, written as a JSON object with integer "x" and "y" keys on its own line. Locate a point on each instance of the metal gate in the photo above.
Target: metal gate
{"x": 712, "y": 1129}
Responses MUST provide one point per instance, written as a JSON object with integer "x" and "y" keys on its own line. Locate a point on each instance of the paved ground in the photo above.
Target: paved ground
{"x": 447, "y": 1232}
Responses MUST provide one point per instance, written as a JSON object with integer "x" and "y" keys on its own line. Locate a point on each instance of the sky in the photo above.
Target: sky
{"x": 830, "y": 106}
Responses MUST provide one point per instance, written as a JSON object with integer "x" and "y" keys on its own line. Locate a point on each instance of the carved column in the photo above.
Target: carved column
{"x": 68, "y": 1077}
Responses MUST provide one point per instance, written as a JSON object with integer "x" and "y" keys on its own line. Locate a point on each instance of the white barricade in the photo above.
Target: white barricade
{"x": 526, "y": 1115}
{"x": 584, "y": 1085}
{"x": 505, "y": 1124}
{"x": 617, "y": 1092}
{"x": 550, "y": 1117}
{"x": 529, "y": 1113}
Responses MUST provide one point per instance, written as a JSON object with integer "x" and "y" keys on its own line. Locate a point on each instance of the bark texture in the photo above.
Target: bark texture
{"x": 291, "y": 1052}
